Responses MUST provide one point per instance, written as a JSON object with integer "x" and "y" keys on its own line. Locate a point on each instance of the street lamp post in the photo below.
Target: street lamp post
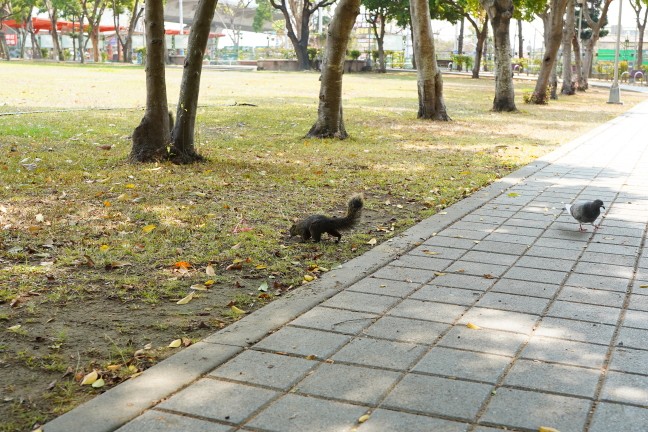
{"x": 615, "y": 97}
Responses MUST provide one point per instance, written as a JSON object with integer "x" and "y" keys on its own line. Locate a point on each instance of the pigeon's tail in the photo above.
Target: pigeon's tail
{"x": 568, "y": 208}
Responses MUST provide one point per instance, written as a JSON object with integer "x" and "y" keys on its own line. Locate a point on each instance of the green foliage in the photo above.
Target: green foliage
{"x": 312, "y": 53}
{"x": 354, "y": 54}
{"x": 462, "y": 61}
{"x": 262, "y": 14}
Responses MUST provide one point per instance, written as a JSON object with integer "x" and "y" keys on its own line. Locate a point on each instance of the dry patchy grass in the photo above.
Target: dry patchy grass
{"x": 93, "y": 287}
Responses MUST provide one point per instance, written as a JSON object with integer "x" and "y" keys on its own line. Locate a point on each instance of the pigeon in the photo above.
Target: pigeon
{"x": 585, "y": 212}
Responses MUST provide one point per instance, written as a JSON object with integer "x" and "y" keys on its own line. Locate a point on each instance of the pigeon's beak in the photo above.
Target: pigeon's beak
{"x": 603, "y": 207}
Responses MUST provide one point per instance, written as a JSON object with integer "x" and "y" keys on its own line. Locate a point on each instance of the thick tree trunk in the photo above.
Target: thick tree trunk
{"x": 182, "y": 136}
{"x": 591, "y": 42}
{"x": 151, "y": 137}
{"x": 482, "y": 34}
{"x": 568, "y": 35}
{"x": 429, "y": 81}
{"x": 94, "y": 35}
{"x": 500, "y": 13}
{"x": 330, "y": 122}
{"x": 578, "y": 59}
{"x": 553, "y": 34}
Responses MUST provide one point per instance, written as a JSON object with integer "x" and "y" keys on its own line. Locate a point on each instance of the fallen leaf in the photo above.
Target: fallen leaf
{"x": 117, "y": 265}
{"x": 439, "y": 273}
{"x": 186, "y": 299}
{"x": 513, "y": 194}
{"x": 234, "y": 266}
{"x": 309, "y": 278}
{"x": 473, "y": 326}
{"x": 107, "y": 204}
{"x": 175, "y": 344}
{"x": 547, "y": 429}
{"x": 113, "y": 368}
{"x": 104, "y": 248}
{"x": 199, "y": 287}
{"x": 182, "y": 265}
{"x": 14, "y": 328}
{"x": 263, "y": 287}
{"x": 489, "y": 276}
{"x": 261, "y": 267}
{"x": 90, "y": 378}
{"x": 99, "y": 383}
{"x": 311, "y": 357}
{"x": 40, "y": 218}
{"x": 237, "y": 310}
{"x": 148, "y": 228}
{"x": 210, "y": 270}
{"x": 209, "y": 283}
{"x": 372, "y": 242}
{"x": 363, "y": 418}
{"x": 643, "y": 286}
{"x": 429, "y": 252}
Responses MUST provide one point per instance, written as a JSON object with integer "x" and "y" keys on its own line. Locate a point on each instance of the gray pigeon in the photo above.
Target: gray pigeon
{"x": 585, "y": 212}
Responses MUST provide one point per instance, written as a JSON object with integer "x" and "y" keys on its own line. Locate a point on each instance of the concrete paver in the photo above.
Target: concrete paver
{"x": 562, "y": 318}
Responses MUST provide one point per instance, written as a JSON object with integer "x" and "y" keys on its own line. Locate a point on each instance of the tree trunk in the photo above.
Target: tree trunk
{"x": 568, "y": 36}
{"x": 151, "y": 137}
{"x": 461, "y": 37}
{"x": 136, "y": 14}
{"x": 482, "y": 34}
{"x": 53, "y": 14}
{"x": 578, "y": 58}
{"x": 638, "y": 5}
{"x": 182, "y": 136}
{"x": 330, "y": 122}
{"x": 500, "y": 13}
{"x": 429, "y": 81}
{"x": 591, "y": 42}
{"x": 553, "y": 22}
{"x": 520, "y": 39}
{"x": 380, "y": 40}
{"x": 81, "y": 38}
{"x": 94, "y": 35}
{"x": 4, "y": 48}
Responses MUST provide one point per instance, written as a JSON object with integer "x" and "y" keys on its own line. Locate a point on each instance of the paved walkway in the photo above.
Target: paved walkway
{"x": 562, "y": 317}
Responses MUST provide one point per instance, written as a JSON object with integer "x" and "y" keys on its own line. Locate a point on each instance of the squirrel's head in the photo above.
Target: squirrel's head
{"x": 293, "y": 230}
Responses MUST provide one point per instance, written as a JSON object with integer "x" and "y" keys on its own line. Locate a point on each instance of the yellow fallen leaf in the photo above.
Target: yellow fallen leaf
{"x": 309, "y": 278}
{"x": 104, "y": 248}
{"x": 40, "y": 218}
{"x": 439, "y": 273}
{"x": 107, "y": 204}
{"x": 261, "y": 267}
{"x": 372, "y": 242}
{"x": 99, "y": 383}
{"x": 210, "y": 270}
{"x": 643, "y": 286}
{"x": 14, "y": 328}
{"x": 148, "y": 228}
{"x": 547, "y": 429}
{"x": 473, "y": 326}
{"x": 237, "y": 310}
{"x": 199, "y": 287}
{"x": 130, "y": 186}
{"x": 176, "y": 343}
{"x": 209, "y": 283}
{"x": 429, "y": 252}
{"x": 113, "y": 367}
{"x": 132, "y": 368}
{"x": 186, "y": 299}
{"x": 90, "y": 378}
{"x": 363, "y": 418}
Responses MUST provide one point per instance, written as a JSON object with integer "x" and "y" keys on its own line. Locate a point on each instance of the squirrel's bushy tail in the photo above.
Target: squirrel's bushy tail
{"x": 354, "y": 212}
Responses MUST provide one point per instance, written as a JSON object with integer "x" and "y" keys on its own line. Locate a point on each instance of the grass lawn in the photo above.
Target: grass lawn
{"x": 95, "y": 253}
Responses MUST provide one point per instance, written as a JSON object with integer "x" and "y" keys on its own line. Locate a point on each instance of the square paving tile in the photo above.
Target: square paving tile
{"x": 337, "y": 320}
{"x": 632, "y": 337}
{"x": 484, "y": 340}
{"x": 598, "y": 257}
{"x": 533, "y": 275}
{"x": 490, "y": 258}
{"x": 435, "y": 395}
{"x": 404, "y": 274}
{"x": 296, "y": 413}
{"x": 526, "y": 288}
{"x": 625, "y": 387}
{"x": 463, "y": 364}
{"x": 303, "y": 342}
{"x": 612, "y": 270}
{"x": 536, "y": 375}
{"x": 422, "y": 262}
{"x": 406, "y": 330}
{"x": 629, "y": 360}
{"x": 545, "y": 263}
{"x": 554, "y": 243}
{"x": 478, "y": 283}
{"x": 580, "y": 331}
{"x": 380, "y": 353}
{"x": 452, "y": 242}
{"x": 219, "y": 400}
{"x": 463, "y": 234}
{"x": 592, "y": 296}
{"x": 511, "y": 238}
{"x": 386, "y": 287}
{"x": 530, "y": 410}
{"x": 383, "y": 420}
{"x": 498, "y": 247}
{"x": 636, "y": 319}
{"x": 477, "y": 269}
{"x": 609, "y": 417}
{"x": 451, "y": 295}
{"x": 565, "y": 352}
{"x": 612, "y": 249}
{"x": 517, "y": 303}
{"x": 551, "y": 252}
{"x": 500, "y": 320}
{"x": 598, "y": 282}
{"x": 271, "y": 370}
{"x": 158, "y": 421}
{"x": 584, "y": 312}
{"x": 349, "y": 383}
{"x": 361, "y": 302}
{"x": 639, "y": 302}
{"x": 443, "y": 252}
{"x": 425, "y": 310}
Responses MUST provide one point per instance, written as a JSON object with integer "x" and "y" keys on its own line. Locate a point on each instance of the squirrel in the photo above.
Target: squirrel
{"x": 314, "y": 226}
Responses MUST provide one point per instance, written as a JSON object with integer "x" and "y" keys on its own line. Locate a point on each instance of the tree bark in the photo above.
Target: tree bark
{"x": 429, "y": 81}
{"x": 568, "y": 36}
{"x": 182, "y": 137}
{"x": 638, "y": 5}
{"x": 500, "y": 13}
{"x": 151, "y": 137}
{"x": 553, "y": 21}
{"x": 330, "y": 122}
{"x": 520, "y": 39}
{"x": 482, "y": 34}
{"x": 578, "y": 59}
{"x": 591, "y": 42}
{"x": 53, "y": 14}
{"x": 377, "y": 22}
